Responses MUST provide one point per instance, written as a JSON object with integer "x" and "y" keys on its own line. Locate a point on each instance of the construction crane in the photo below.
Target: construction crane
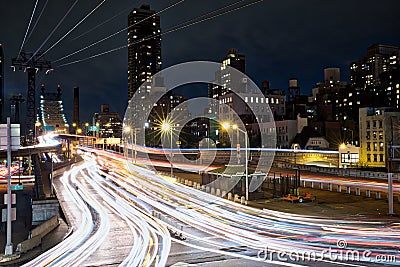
{"x": 31, "y": 63}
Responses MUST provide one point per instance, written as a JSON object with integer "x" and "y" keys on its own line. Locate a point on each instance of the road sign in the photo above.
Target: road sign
{"x": 93, "y": 128}
{"x": 13, "y": 214}
{"x": 48, "y": 128}
{"x": 17, "y": 187}
{"x": 13, "y": 199}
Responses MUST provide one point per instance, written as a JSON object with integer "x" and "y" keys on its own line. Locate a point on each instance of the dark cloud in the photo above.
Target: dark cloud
{"x": 281, "y": 39}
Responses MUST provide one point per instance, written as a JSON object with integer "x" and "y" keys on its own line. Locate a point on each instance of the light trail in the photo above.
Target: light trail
{"x": 235, "y": 223}
{"x": 152, "y": 241}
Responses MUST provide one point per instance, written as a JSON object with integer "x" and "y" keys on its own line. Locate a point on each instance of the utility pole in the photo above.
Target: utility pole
{"x": 31, "y": 63}
{"x": 9, "y": 245}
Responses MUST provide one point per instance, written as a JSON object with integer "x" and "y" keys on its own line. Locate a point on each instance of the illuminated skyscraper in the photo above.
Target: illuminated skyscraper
{"x": 144, "y": 47}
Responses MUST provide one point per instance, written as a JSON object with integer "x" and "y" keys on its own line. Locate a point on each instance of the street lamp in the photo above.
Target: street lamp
{"x": 166, "y": 127}
{"x": 226, "y": 126}
{"x": 51, "y": 177}
{"x": 19, "y": 170}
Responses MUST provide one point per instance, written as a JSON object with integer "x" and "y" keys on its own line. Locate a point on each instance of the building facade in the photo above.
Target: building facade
{"x": 144, "y": 47}
{"x": 377, "y": 129}
{"x": 109, "y": 123}
{"x": 365, "y": 73}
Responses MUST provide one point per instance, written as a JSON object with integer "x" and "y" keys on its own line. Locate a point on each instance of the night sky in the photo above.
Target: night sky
{"x": 281, "y": 39}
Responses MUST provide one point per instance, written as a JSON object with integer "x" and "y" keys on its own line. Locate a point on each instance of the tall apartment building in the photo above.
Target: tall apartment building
{"x": 377, "y": 129}
{"x": 225, "y": 77}
{"x": 144, "y": 48}
{"x": 366, "y": 72}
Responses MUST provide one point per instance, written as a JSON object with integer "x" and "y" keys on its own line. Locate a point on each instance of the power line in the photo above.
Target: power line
{"x": 54, "y": 29}
{"x": 172, "y": 29}
{"x": 29, "y": 25}
{"x": 104, "y": 22}
{"x": 37, "y": 20}
{"x": 118, "y": 32}
{"x": 73, "y": 28}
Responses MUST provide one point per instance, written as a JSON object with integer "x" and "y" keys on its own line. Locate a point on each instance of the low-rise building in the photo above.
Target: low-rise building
{"x": 377, "y": 130}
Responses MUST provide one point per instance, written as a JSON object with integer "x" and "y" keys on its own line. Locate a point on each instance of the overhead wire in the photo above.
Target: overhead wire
{"x": 37, "y": 20}
{"x": 54, "y": 29}
{"x": 104, "y": 22}
{"x": 73, "y": 28}
{"x": 118, "y": 32}
{"x": 172, "y": 29}
{"x": 27, "y": 29}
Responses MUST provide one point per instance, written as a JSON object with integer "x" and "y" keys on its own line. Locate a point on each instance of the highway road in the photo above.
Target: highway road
{"x": 105, "y": 228}
{"x": 214, "y": 224}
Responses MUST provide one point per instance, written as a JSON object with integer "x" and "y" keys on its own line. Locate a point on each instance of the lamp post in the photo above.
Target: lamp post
{"x": 166, "y": 127}
{"x": 235, "y": 127}
{"x": 19, "y": 170}
{"x": 51, "y": 176}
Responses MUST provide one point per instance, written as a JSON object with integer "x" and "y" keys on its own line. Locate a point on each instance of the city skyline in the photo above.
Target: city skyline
{"x": 291, "y": 45}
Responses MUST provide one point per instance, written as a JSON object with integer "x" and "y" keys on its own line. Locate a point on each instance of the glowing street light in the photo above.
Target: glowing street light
{"x": 227, "y": 126}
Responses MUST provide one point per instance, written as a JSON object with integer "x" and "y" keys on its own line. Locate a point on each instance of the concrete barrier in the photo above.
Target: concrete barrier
{"x": 198, "y": 187}
{"x": 242, "y": 200}
{"x": 236, "y": 198}
{"x": 223, "y": 194}
{"x": 212, "y": 191}
{"x": 190, "y": 183}
{"x": 186, "y": 182}
{"x": 46, "y": 227}
{"x": 203, "y": 188}
{"x": 358, "y": 191}
{"x": 229, "y": 196}
{"x": 29, "y": 244}
{"x": 218, "y": 192}
{"x": 207, "y": 189}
